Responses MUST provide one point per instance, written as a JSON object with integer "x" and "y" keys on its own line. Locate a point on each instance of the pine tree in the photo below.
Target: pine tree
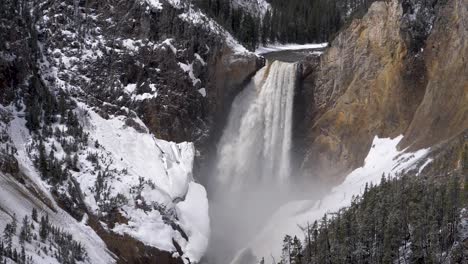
{"x": 34, "y": 215}
{"x": 391, "y": 238}
{"x": 7, "y": 236}
{"x": 42, "y": 161}
{"x": 296, "y": 254}
{"x": 286, "y": 257}
{"x": 14, "y": 224}
{"x": 266, "y": 27}
{"x": 23, "y": 255}
{"x": 25, "y": 233}
{"x": 44, "y": 227}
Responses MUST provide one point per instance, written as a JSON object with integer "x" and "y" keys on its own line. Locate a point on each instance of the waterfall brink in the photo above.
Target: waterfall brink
{"x": 256, "y": 143}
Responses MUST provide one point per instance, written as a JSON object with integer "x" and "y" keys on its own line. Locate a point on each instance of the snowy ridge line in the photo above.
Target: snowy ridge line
{"x": 383, "y": 157}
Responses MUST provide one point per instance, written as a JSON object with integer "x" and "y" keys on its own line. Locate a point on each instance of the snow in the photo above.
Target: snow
{"x": 202, "y": 91}
{"x": 129, "y": 44}
{"x": 155, "y": 4}
{"x": 138, "y": 157}
{"x": 16, "y": 199}
{"x": 281, "y": 47}
{"x": 168, "y": 42}
{"x": 200, "y": 59}
{"x": 166, "y": 163}
{"x": 428, "y": 161}
{"x": 188, "y": 68}
{"x": 21, "y": 139}
{"x": 383, "y": 157}
{"x": 130, "y": 88}
{"x": 150, "y": 228}
{"x": 176, "y": 3}
{"x": 144, "y": 96}
{"x": 195, "y": 221}
{"x": 196, "y": 17}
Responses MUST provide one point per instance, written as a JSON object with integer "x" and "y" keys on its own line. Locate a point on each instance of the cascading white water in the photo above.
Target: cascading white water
{"x": 256, "y": 143}
{"x": 253, "y": 167}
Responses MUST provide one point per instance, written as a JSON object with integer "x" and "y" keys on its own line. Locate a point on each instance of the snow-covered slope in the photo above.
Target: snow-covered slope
{"x": 111, "y": 90}
{"x": 148, "y": 181}
{"x": 155, "y": 178}
{"x": 16, "y": 202}
{"x": 383, "y": 158}
{"x": 195, "y": 16}
{"x": 22, "y": 193}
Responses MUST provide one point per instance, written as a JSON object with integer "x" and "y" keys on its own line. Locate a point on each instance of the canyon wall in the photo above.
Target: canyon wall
{"x": 401, "y": 69}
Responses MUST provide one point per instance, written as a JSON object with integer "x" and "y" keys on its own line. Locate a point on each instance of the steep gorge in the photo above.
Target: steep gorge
{"x": 399, "y": 70}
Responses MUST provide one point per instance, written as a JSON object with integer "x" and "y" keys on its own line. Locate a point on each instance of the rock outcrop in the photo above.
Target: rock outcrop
{"x": 384, "y": 75}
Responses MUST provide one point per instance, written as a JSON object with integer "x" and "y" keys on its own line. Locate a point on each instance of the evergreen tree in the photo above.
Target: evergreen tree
{"x": 296, "y": 253}
{"x": 403, "y": 220}
{"x": 286, "y": 257}
{"x": 34, "y": 214}
{"x": 44, "y": 227}
{"x": 25, "y": 233}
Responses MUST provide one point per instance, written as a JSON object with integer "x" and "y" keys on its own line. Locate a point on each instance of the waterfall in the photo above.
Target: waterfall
{"x": 256, "y": 143}
{"x": 253, "y": 160}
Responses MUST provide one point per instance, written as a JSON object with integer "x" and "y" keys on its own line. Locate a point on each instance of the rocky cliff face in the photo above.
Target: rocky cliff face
{"x": 388, "y": 74}
{"x": 163, "y": 61}
{"x": 443, "y": 112}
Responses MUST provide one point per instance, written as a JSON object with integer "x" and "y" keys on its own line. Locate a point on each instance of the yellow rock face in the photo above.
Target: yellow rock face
{"x": 368, "y": 84}
{"x": 443, "y": 112}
